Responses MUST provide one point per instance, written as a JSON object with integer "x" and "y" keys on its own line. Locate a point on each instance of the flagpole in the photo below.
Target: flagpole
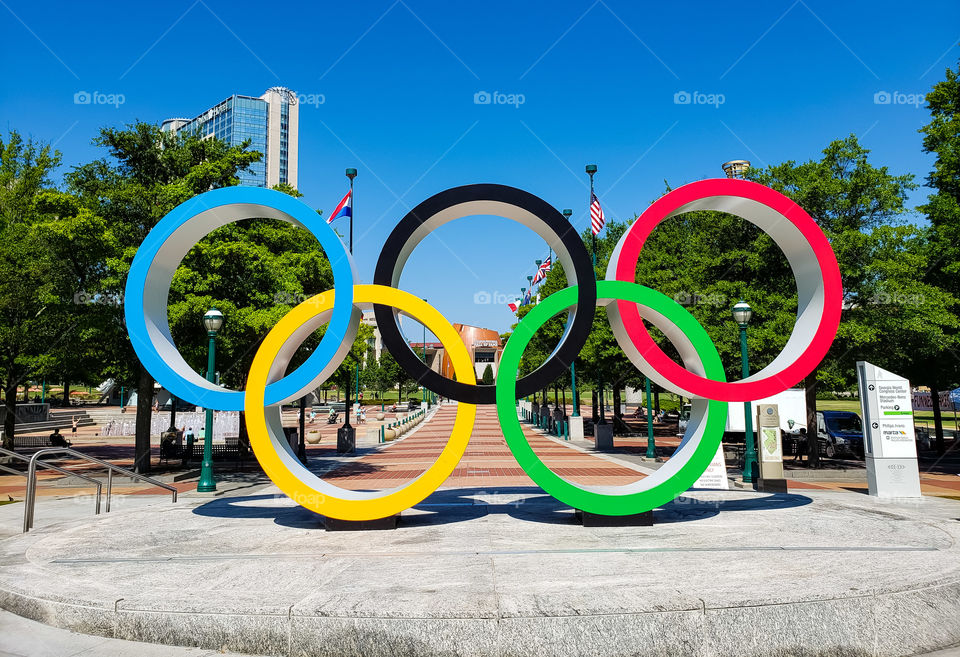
{"x": 346, "y": 435}
{"x": 592, "y": 169}
{"x": 575, "y": 398}
{"x": 351, "y": 173}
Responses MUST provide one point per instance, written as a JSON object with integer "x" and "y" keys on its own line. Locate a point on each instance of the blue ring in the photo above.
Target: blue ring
{"x": 143, "y": 303}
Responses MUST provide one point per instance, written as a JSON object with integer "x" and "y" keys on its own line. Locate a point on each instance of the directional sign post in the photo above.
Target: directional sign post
{"x": 890, "y": 446}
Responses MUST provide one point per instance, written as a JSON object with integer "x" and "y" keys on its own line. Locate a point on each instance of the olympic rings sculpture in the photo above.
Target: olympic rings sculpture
{"x": 627, "y": 304}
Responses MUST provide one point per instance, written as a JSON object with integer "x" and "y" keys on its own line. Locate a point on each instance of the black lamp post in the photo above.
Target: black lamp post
{"x": 742, "y": 314}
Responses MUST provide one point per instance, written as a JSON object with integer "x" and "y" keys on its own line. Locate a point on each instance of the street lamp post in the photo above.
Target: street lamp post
{"x": 302, "y": 442}
{"x": 742, "y": 313}
{"x": 651, "y": 441}
{"x": 213, "y": 322}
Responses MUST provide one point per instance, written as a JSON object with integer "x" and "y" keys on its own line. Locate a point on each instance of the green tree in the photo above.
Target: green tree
{"x": 601, "y": 361}
{"x": 393, "y": 374}
{"x": 345, "y": 376}
{"x": 941, "y": 137}
{"x": 847, "y": 196}
{"x": 35, "y": 293}
{"x": 487, "y": 377}
{"x": 368, "y": 376}
{"x": 147, "y": 173}
{"x": 78, "y": 241}
{"x": 389, "y": 372}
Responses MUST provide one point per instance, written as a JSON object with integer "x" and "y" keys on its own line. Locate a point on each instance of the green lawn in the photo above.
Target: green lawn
{"x": 919, "y": 417}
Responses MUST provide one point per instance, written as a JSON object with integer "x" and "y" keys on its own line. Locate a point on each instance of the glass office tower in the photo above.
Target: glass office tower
{"x": 270, "y": 123}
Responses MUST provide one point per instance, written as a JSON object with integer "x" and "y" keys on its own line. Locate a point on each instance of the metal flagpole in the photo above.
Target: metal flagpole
{"x": 347, "y": 443}
{"x": 592, "y": 169}
{"x": 351, "y": 174}
{"x": 567, "y": 213}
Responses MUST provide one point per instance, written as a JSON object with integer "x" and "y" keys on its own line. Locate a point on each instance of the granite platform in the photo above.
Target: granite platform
{"x": 505, "y": 572}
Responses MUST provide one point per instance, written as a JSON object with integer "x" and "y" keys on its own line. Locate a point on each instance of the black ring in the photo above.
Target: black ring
{"x": 531, "y": 211}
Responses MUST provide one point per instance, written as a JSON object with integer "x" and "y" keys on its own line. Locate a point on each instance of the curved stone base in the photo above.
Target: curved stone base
{"x": 506, "y": 573}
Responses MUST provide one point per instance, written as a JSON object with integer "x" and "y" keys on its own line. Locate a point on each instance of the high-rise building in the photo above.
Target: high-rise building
{"x": 270, "y": 122}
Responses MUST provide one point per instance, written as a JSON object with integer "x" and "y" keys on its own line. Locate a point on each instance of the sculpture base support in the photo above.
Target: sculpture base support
{"x": 772, "y": 486}
{"x": 588, "y": 519}
{"x": 603, "y": 436}
{"x": 576, "y": 428}
{"x": 335, "y": 525}
{"x": 892, "y": 477}
{"x": 346, "y": 440}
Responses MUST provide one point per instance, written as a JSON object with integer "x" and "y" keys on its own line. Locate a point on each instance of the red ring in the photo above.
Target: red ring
{"x": 830, "y": 284}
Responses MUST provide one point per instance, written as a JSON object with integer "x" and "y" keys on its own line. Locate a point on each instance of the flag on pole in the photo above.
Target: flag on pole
{"x": 596, "y": 215}
{"x": 542, "y": 271}
{"x": 344, "y": 209}
{"x": 514, "y": 305}
{"x": 526, "y": 298}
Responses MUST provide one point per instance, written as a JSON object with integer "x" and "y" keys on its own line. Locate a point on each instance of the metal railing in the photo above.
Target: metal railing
{"x": 51, "y": 466}
{"x": 31, "y": 496}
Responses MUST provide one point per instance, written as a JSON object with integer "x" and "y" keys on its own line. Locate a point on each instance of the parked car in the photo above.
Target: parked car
{"x": 842, "y": 431}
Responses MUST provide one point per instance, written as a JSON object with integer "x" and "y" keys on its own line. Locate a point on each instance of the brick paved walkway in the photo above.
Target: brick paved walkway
{"x": 487, "y": 461}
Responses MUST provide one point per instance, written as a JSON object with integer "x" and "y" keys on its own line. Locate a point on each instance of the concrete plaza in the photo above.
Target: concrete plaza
{"x": 490, "y": 565}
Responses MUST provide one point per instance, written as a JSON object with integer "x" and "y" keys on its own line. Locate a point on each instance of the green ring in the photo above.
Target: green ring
{"x": 592, "y": 499}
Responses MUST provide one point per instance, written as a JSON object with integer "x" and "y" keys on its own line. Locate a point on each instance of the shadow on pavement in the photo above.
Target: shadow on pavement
{"x": 521, "y": 502}
{"x": 705, "y": 505}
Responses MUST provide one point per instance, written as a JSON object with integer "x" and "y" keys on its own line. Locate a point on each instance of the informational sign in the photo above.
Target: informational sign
{"x": 888, "y": 415}
{"x": 715, "y": 476}
{"x": 890, "y": 448}
{"x": 770, "y": 449}
{"x": 770, "y": 446}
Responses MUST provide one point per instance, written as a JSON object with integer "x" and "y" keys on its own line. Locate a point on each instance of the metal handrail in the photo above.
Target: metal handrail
{"x": 51, "y": 466}
{"x": 31, "y": 496}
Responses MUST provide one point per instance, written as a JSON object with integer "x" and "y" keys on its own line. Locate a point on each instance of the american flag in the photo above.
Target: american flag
{"x": 542, "y": 271}
{"x": 596, "y": 215}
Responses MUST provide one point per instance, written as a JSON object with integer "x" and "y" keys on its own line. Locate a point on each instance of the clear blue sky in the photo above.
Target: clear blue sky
{"x": 398, "y": 80}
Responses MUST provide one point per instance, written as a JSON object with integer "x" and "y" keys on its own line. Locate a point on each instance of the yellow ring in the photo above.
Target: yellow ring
{"x": 281, "y": 464}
